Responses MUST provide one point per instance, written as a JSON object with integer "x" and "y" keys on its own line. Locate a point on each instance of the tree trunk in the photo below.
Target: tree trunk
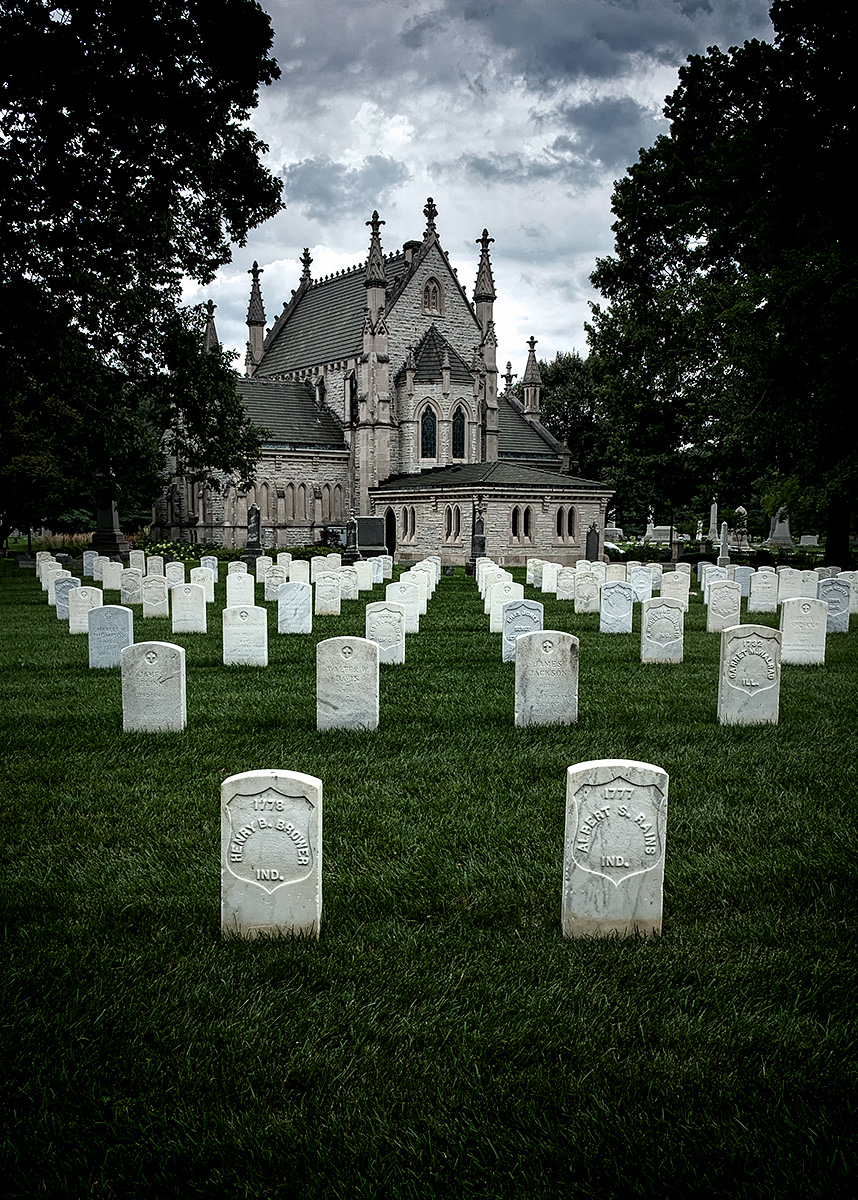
{"x": 837, "y": 550}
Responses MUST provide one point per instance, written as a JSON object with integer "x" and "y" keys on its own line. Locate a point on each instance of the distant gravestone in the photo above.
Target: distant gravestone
{"x": 662, "y": 629}
{"x": 81, "y": 600}
{"x": 211, "y": 561}
{"x": 616, "y": 610}
{"x": 588, "y": 598}
{"x": 245, "y": 636}
{"x": 725, "y": 605}
{"x": 566, "y": 577}
{"x": 803, "y": 629}
{"x": 500, "y": 594}
{"x": 675, "y": 586}
{"x": 763, "y": 592}
{"x": 98, "y": 567}
{"x": 408, "y": 596}
{"x": 52, "y": 575}
{"x": 111, "y": 629}
{"x": 263, "y": 562}
{"x": 89, "y": 557}
{"x": 419, "y": 581}
{"x": 137, "y": 561}
{"x": 517, "y": 618}
{"x": 299, "y": 571}
{"x": 204, "y": 576}
{"x": 63, "y": 587}
{"x": 600, "y": 570}
{"x": 685, "y": 568}
{"x": 657, "y": 571}
{"x": 363, "y": 571}
{"x": 156, "y": 596}
{"x": 386, "y": 561}
{"x": 155, "y": 564}
{"x": 111, "y": 576}
{"x": 385, "y": 625}
{"x": 546, "y": 678}
{"x": 271, "y": 854}
{"x": 318, "y": 565}
{"x": 614, "y": 849}
{"x": 530, "y": 567}
{"x": 274, "y": 576}
{"x": 335, "y": 561}
{"x": 836, "y": 593}
{"x": 131, "y": 586}
{"x": 284, "y": 558}
{"x": 348, "y": 577}
{"x": 347, "y": 684}
{"x": 240, "y": 589}
{"x": 327, "y": 597}
{"x": 712, "y": 575}
{"x": 188, "y": 608}
{"x": 377, "y": 568}
{"x": 153, "y": 688}
{"x": 640, "y": 579}
{"x": 743, "y": 576}
{"x": 615, "y": 573}
{"x": 851, "y": 578}
{"x": 749, "y": 675}
{"x": 809, "y": 583}
{"x": 295, "y": 608}
{"x": 236, "y": 567}
{"x": 175, "y": 573}
{"x": 548, "y": 582}
{"x": 789, "y": 584}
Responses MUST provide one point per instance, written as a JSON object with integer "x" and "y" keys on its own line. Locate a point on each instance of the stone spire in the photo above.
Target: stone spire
{"x": 306, "y": 263}
{"x": 532, "y": 381}
{"x": 430, "y": 212}
{"x": 210, "y": 341}
{"x": 255, "y": 321}
{"x": 375, "y": 275}
{"x": 484, "y": 288}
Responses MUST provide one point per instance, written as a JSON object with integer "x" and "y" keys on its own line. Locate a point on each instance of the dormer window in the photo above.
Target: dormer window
{"x": 433, "y": 298}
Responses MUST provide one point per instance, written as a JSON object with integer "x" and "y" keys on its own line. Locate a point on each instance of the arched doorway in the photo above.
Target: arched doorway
{"x": 390, "y": 531}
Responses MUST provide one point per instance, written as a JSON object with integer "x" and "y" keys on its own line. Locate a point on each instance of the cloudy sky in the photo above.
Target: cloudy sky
{"x": 516, "y": 115}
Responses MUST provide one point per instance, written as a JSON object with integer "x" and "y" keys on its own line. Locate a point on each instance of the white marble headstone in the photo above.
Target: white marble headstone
{"x": 111, "y": 576}
{"x": 261, "y": 565}
{"x": 155, "y": 565}
{"x": 675, "y": 586}
{"x": 749, "y": 675}
{"x": 274, "y": 576}
{"x": 153, "y": 688}
{"x": 188, "y": 608}
{"x": 271, "y": 854}
{"x": 640, "y": 579}
{"x": 803, "y": 628}
{"x": 614, "y": 849}
{"x": 348, "y": 577}
{"x": 211, "y": 561}
{"x": 836, "y": 594}
{"x": 131, "y": 586}
{"x": 385, "y": 624}
{"x": 295, "y": 607}
{"x": 363, "y": 570}
{"x": 502, "y": 593}
{"x": 156, "y": 596}
{"x": 206, "y": 578}
{"x": 327, "y": 596}
{"x": 89, "y": 557}
{"x": 240, "y": 588}
{"x": 111, "y": 629}
{"x": 408, "y": 596}
{"x": 615, "y": 613}
{"x": 518, "y": 617}
{"x": 546, "y": 678}
{"x": 236, "y": 567}
{"x": 137, "y": 560}
{"x": 763, "y": 592}
{"x": 587, "y": 592}
{"x": 62, "y": 588}
{"x": 725, "y": 605}
{"x": 175, "y": 573}
{"x": 347, "y": 684}
{"x": 662, "y": 629}
{"x": 299, "y": 571}
{"x": 81, "y": 600}
{"x": 245, "y": 636}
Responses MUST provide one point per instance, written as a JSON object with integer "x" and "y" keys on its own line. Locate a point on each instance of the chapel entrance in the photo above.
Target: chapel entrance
{"x": 390, "y": 531}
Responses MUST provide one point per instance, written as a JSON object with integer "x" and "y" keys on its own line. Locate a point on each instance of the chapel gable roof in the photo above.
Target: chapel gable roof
{"x": 289, "y": 413}
{"x": 428, "y": 359}
{"x": 323, "y": 321}
{"x": 519, "y": 438}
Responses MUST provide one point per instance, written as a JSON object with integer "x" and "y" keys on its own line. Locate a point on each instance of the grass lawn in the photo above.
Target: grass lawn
{"x": 442, "y": 1037}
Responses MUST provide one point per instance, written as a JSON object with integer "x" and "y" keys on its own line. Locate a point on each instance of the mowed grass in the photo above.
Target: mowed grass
{"x": 442, "y": 1037}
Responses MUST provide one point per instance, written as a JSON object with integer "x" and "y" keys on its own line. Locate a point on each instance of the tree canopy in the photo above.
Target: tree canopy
{"x": 126, "y": 165}
{"x": 726, "y": 349}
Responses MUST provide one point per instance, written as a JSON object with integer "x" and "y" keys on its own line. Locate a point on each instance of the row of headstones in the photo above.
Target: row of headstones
{"x": 662, "y": 624}
{"x": 765, "y": 589}
{"x": 613, "y": 860}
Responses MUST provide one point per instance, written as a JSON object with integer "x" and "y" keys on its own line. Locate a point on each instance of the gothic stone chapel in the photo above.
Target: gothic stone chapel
{"x": 378, "y": 386}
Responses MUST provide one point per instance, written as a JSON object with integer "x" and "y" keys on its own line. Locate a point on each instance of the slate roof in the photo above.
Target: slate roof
{"x": 323, "y": 322}
{"x": 289, "y": 412}
{"x": 429, "y": 361}
{"x": 499, "y": 474}
{"x": 517, "y": 437}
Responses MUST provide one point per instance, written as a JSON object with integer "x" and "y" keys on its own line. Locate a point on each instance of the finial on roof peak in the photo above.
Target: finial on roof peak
{"x": 375, "y": 221}
{"x": 430, "y": 212}
{"x": 484, "y": 288}
{"x": 306, "y": 263}
{"x": 375, "y": 274}
{"x": 255, "y": 309}
{"x": 210, "y": 341}
{"x": 510, "y": 375}
{"x": 485, "y": 240}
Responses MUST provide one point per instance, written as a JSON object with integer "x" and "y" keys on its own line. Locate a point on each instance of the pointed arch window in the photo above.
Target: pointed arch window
{"x": 459, "y": 433}
{"x": 433, "y": 298}
{"x": 428, "y": 434}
